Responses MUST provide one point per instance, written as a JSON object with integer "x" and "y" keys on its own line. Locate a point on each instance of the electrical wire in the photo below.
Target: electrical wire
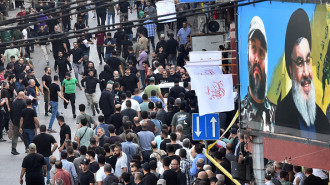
{"x": 66, "y": 34}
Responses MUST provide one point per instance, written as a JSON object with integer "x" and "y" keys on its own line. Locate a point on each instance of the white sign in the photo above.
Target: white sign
{"x": 214, "y": 93}
{"x": 164, "y": 8}
{"x": 205, "y": 58}
{"x": 196, "y": 71}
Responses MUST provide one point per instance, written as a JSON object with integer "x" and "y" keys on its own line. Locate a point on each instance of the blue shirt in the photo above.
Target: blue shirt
{"x": 156, "y": 99}
{"x": 138, "y": 99}
{"x": 130, "y": 149}
{"x": 69, "y": 167}
{"x": 105, "y": 127}
{"x": 150, "y": 28}
{"x": 158, "y": 124}
{"x": 31, "y": 91}
{"x": 183, "y": 34}
{"x": 145, "y": 138}
{"x": 193, "y": 169}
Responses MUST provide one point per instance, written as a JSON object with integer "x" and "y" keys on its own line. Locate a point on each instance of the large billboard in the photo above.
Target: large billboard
{"x": 285, "y": 68}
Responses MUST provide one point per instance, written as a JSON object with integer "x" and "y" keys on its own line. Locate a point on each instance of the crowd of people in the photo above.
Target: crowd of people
{"x": 143, "y": 134}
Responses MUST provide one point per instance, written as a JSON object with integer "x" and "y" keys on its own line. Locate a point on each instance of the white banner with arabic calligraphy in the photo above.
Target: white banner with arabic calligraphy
{"x": 205, "y": 58}
{"x": 214, "y": 90}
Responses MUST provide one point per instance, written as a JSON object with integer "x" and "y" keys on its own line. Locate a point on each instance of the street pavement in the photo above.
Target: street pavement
{"x": 11, "y": 165}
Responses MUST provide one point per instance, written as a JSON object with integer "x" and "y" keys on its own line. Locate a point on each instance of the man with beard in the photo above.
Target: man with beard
{"x": 298, "y": 109}
{"x": 257, "y": 110}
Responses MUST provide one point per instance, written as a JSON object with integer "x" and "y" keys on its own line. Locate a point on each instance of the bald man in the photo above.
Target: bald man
{"x": 17, "y": 106}
{"x": 202, "y": 175}
{"x": 107, "y": 102}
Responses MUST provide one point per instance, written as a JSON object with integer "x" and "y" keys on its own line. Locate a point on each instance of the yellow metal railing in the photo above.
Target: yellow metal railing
{"x": 224, "y": 171}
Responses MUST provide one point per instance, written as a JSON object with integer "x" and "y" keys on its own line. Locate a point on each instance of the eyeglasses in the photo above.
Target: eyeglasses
{"x": 300, "y": 62}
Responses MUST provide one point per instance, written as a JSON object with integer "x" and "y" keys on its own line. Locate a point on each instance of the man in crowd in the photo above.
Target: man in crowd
{"x": 107, "y": 102}
{"x": 43, "y": 142}
{"x": 46, "y": 81}
{"x": 17, "y": 107}
{"x": 33, "y": 167}
{"x": 86, "y": 177}
{"x": 54, "y": 93}
{"x": 62, "y": 174}
{"x": 90, "y": 90}
{"x": 29, "y": 122}
{"x": 69, "y": 84}
{"x": 121, "y": 164}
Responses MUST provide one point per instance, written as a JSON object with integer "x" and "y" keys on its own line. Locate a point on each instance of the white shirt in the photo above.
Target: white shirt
{"x": 120, "y": 164}
{"x": 301, "y": 176}
{"x": 100, "y": 175}
{"x": 135, "y": 105}
{"x": 319, "y": 173}
{"x": 25, "y": 34}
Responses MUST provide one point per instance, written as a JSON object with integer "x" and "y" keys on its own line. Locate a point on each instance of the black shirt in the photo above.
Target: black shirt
{"x": 28, "y": 115}
{"x": 79, "y": 25}
{"x": 117, "y": 95}
{"x": 111, "y": 160}
{"x": 86, "y": 178}
{"x": 65, "y": 129}
{"x": 17, "y": 106}
{"x": 53, "y": 89}
{"x": 61, "y": 64}
{"x": 5, "y": 94}
{"x": 163, "y": 144}
{"x": 77, "y": 54}
{"x": 91, "y": 83}
{"x": 161, "y": 58}
{"x": 130, "y": 82}
{"x": 42, "y": 34}
{"x": 116, "y": 120}
{"x": 114, "y": 63}
{"x": 48, "y": 80}
{"x": 44, "y": 143}
{"x": 119, "y": 36}
{"x": 123, "y": 6}
{"x": 33, "y": 164}
{"x": 131, "y": 113}
{"x": 170, "y": 177}
{"x": 94, "y": 166}
{"x": 172, "y": 46}
{"x": 109, "y": 179}
{"x": 182, "y": 179}
{"x": 71, "y": 158}
{"x": 175, "y": 91}
{"x": 150, "y": 179}
{"x": 113, "y": 139}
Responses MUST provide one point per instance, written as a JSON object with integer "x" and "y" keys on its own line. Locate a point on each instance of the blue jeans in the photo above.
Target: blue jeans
{"x": 111, "y": 14}
{"x": 130, "y": 37}
{"x": 86, "y": 18}
{"x": 29, "y": 135}
{"x": 35, "y": 108}
{"x": 55, "y": 113}
{"x": 107, "y": 56}
{"x": 48, "y": 168}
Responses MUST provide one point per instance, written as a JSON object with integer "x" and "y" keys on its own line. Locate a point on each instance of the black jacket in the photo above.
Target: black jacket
{"x": 91, "y": 83}
{"x": 106, "y": 103}
{"x": 149, "y": 179}
{"x": 16, "y": 111}
{"x": 288, "y": 116}
{"x": 61, "y": 65}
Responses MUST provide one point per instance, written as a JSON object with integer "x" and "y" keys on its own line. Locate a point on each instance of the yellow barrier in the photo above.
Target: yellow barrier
{"x": 230, "y": 125}
{"x": 214, "y": 161}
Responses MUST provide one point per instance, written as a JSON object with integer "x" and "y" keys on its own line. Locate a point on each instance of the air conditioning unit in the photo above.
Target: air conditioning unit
{"x": 201, "y": 21}
{"x": 215, "y": 26}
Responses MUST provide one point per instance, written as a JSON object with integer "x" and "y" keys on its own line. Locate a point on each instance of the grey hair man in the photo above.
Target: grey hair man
{"x": 107, "y": 102}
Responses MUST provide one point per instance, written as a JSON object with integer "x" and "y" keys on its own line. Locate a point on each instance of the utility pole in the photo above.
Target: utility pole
{"x": 258, "y": 160}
